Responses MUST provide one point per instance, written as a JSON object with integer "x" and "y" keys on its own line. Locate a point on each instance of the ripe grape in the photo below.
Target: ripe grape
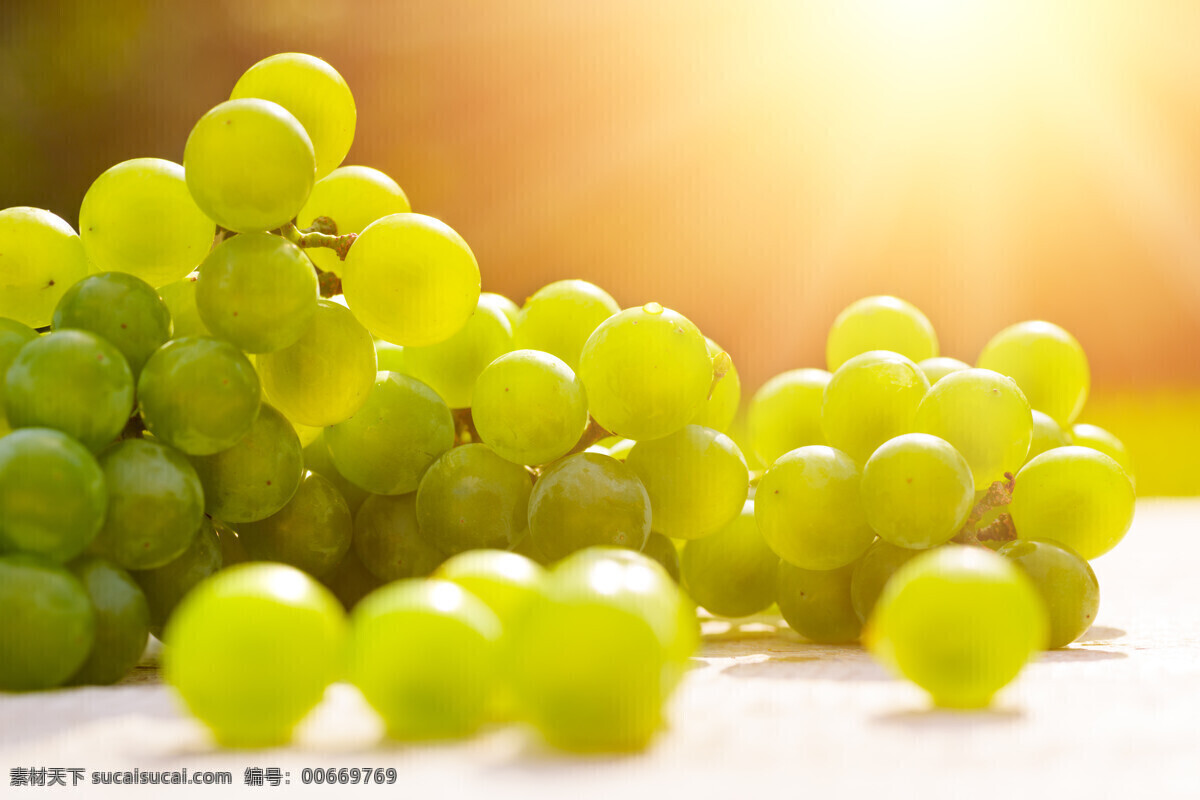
{"x": 508, "y": 583}
{"x": 312, "y": 532}
{"x": 47, "y": 624}
{"x": 388, "y": 540}
{"x": 471, "y": 498}
{"x": 1065, "y": 581}
{"x": 786, "y": 413}
{"x": 353, "y": 197}
{"x": 817, "y": 603}
{"x": 873, "y": 571}
{"x": 317, "y": 459}
{"x": 871, "y": 398}
{"x": 588, "y": 499}
{"x": 721, "y": 406}
{"x": 40, "y": 258}
{"x": 731, "y": 572}
{"x": 501, "y": 304}
{"x": 180, "y": 299}
{"x": 937, "y": 368}
{"x": 1046, "y": 362}
{"x": 165, "y": 586}
{"x": 122, "y": 309}
{"x": 559, "y": 318}
{"x": 1098, "y": 438}
{"x": 122, "y": 621}
{"x": 13, "y": 336}
{"x": 880, "y": 323}
{"x": 1046, "y": 435}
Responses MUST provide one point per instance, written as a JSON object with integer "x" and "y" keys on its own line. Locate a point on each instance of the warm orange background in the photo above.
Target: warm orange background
{"x": 756, "y": 166}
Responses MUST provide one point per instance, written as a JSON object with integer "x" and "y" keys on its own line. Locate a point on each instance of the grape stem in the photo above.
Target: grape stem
{"x": 318, "y": 236}
{"x": 1000, "y": 529}
{"x": 722, "y": 363}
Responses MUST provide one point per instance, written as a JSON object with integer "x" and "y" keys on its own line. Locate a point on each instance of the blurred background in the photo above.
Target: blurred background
{"x": 756, "y": 166}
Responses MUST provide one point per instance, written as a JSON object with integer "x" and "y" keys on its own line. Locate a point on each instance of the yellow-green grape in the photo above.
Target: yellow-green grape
{"x": 350, "y": 581}
{"x": 252, "y": 649}
{"x": 472, "y": 498}
{"x": 663, "y": 550}
{"x": 1065, "y": 581}
{"x": 1098, "y": 438}
{"x": 411, "y": 280}
{"x": 809, "y": 508}
{"x": 1075, "y": 496}
{"x": 871, "y": 398}
{"x": 13, "y": 336}
{"x": 1046, "y": 362}
{"x": 960, "y": 622}
{"x": 984, "y": 416}
{"x": 325, "y": 377}
{"x": 317, "y": 459}
{"x": 722, "y": 404}
{"x": 353, "y": 197}
{"x": 258, "y": 291}
{"x": 529, "y": 407}
{"x": 646, "y": 372}
{"x": 388, "y": 444}
{"x": 696, "y": 479}
{"x": 122, "y": 621}
{"x": 388, "y": 540}
{"x": 138, "y": 217}
{"x": 786, "y": 413}
{"x": 816, "y": 603}
{"x": 314, "y": 93}
{"x": 873, "y": 571}
{"x": 249, "y": 165}
{"x": 165, "y": 586}
{"x": 122, "y": 309}
{"x": 917, "y": 491}
{"x": 509, "y": 583}
{"x": 732, "y": 572}
{"x": 937, "y": 368}
{"x": 47, "y": 624}
{"x": 501, "y": 304}
{"x": 40, "y": 258}
{"x": 559, "y": 318}
{"x": 312, "y": 532}
{"x": 451, "y": 367}
{"x": 1046, "y": 435}
{"x": 880, "y": 323}
{"x": 180, "y": 299}
{"x": 424, "y": 655}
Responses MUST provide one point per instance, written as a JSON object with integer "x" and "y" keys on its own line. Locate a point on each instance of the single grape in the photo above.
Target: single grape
{"x": 559, "y": 318}
{"x": 47, "y": 624}
{"x": 722, "y": 404}
{"x": 1046, "y": 362}
{"x": 732, "y": 572}
{"x": 937, "y": 368}
{"x": 663, "y": 550}
{"x": 317, "y": 459}
{"x": 816, "y": 603}
{"x": 180, "y": 299}
{"x": 873, "y": 571}
{"x": 786, "y": 413}
{"x": 872, "y": 397}
{"x": 1065, "y": 581}
{"x": 508, "y": 583}
{"x": 472, "y": 498}
{"x": 503, "y": 305}
{"x": 249, "y": 165}
{"x": 122, "y": 621}
{"x": 165, "y": 586}
{"x": 13, "y": 336}
{"x": 388, "y": 540}
{"x": 40, "y": 258}
{"x": 353, "y": 197}
{"x": 1046, "y": 435}
{"x": 122, "y": 309}
{"x": 1098, "y": 438}
{"x": 880, "y": 323}
{"x": 350, "y": 581}
{"x": 312, "y": 532}
{"x": 139, "y": 218}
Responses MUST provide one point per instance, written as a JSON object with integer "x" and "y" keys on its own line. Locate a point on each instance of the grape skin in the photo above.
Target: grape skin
{"x": 41, "y": 256}
{"x": 122, "y": 309}
{"x": 1065, "y": 581}
{"x": 880, "y": 323}
{"x": 786, "y": 413}
{"x": 871, "y": 398}
{"x": 471, "y": 498}
{"x": 731, "y": 573}
{"x": 559, "y": 317}
{"x": 122, "y": 621}
{"x": 312, "y": 532}
{"x": 817, "y": 603}
{"x": 1046, "y": 362}
{"x": 165, "y": 586}
{"x": 47, "y": 624}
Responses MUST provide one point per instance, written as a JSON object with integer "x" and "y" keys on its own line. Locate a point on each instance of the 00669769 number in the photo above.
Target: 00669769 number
{"x": 348, "y": 775}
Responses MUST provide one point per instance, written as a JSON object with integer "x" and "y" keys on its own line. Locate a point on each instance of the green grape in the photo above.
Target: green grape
{"x": 508, "y": 583}
{"x": 1065, "y": 581}
{"x": 165, "y": 586}
{"x": 350, "y": 581}
{"x": 314, "y": 93}
{"x": 696, "y": 480}
{"x": 52, "y": 497}
{"x": 732, "y": 572}
{"x": 139, "y": 218}
{"x": 325, "y": 377}
{"x": 180, "y": 299}
{"x": 471, "y": 498}
{"x": 312, "y": 532}
{"x": 47, "y": 624}
{"x": 873, "y": 571}
{"x": 353, "y": 197}
{"x": 451, "y": 367}
{"x": 121, "y": 309}
{"x": 646, "y": 372}
{"x": 13, "y": 336}
{"x": 663, "y": 550}
{"x": 722, "y": 404}
{"x": 390, "y": 356}
{"x": 317, "y": 459}
{"x": 122, "y": 621}
{"x": 880, "y": 323}
{"x": 937, "y": 368}
{"x": 411, "y": 280}
{"x": 257, "y": 476}
{"x": 40, "y": 258}
{"x": 1074, "y": 496}
{"x": 588, "y": 499}
{"x": 529, "y": 407}
{"x": 809, "y": 509}
{"x": 249, "y": 165}
{"x": 984, "y": 416}
{"x": 917, "y": 491}
{"x": 1098, "y": 438}
{"x": 959, "y": 622}
{"x": 871, "y": 398}
{"x": 1046, "y": 362}
{"x": 559, "y": 318}
{"x": 72, "y": 381}
{"x": 1046, "y": 435}
{"x": 155, "y": 504}
{"x": 424, "y": 655}
{"x": 388, "y": 540}
{"x": 816, "y": 603}
{"x": 786, "y": 413}
{"x": 252, "y": 649}
{"x": 199, "y": 395}
{"x": 502, "y": 304}
{"x": 389, "y": 443}
{"x": 258, "y": 291}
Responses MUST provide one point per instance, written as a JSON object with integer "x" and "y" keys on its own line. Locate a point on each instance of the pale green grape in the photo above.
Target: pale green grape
{"x": 411, "y": 280}
{"x": 353, "y": 197}
{"x": 325, "y": 377}
{"x": 317, "y": 459}
{"x": 258, "y": 291}
{"x": 252, "y": 649}
{"x": 786, "y": 413}
{"x": 165, "y": 586}
{"x": 508, "y": 583}
{"x": 1046, "y": 362}
{"x": 588, "y": 499}
{"x": 984, "y": 416}
{"x": 646, "y": 372}
{"x": 390, "y": 356}
{"x": 1098, "y": 438}
{"x": 663, "y": 550}
{"x": 917, "y": 491}
{"x": 816, "y": 603}
{"x": 960, "y": 622}
{"x": 40, "y": 258}
{"x": 257, "y": 476}
{"x": 696, "y": 479}
{"x": 732, "y": 572}
{"x": 122, "y": 621}
{"x": 388, "y": 540}
{"x": 122, "y": 309}
{"x": 1074, "y": 496}
{"x": 249, "y": 165}
{"x": 873, "y": 571}
{"x": 198, "y": 394}
{"x": 871, "y": 398}
{"x": 472, "y": 498}
{"x": 722, "y": 404}
{"x": 314, "y": 93}
{"x": 72, "y": 381}
{"x": 389, "y": 443}
{"x": 559, "y": 318}
{"x": 180, "y": 299}
{"x": 880, "y": 323}
{"x": 1046, "y": 435}
{"x": 937, "y": 368}
{"x": 47, "y": 624}
{"x": 529, "y": 407}
{"x": 138, "y": 217}
{"x": 1065, "y": 581}
{"x": 809, "y": 508}
{"x": 503, "y": 305}
{"x": 13, "y": 336}
{"x": 312, "y": 532}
